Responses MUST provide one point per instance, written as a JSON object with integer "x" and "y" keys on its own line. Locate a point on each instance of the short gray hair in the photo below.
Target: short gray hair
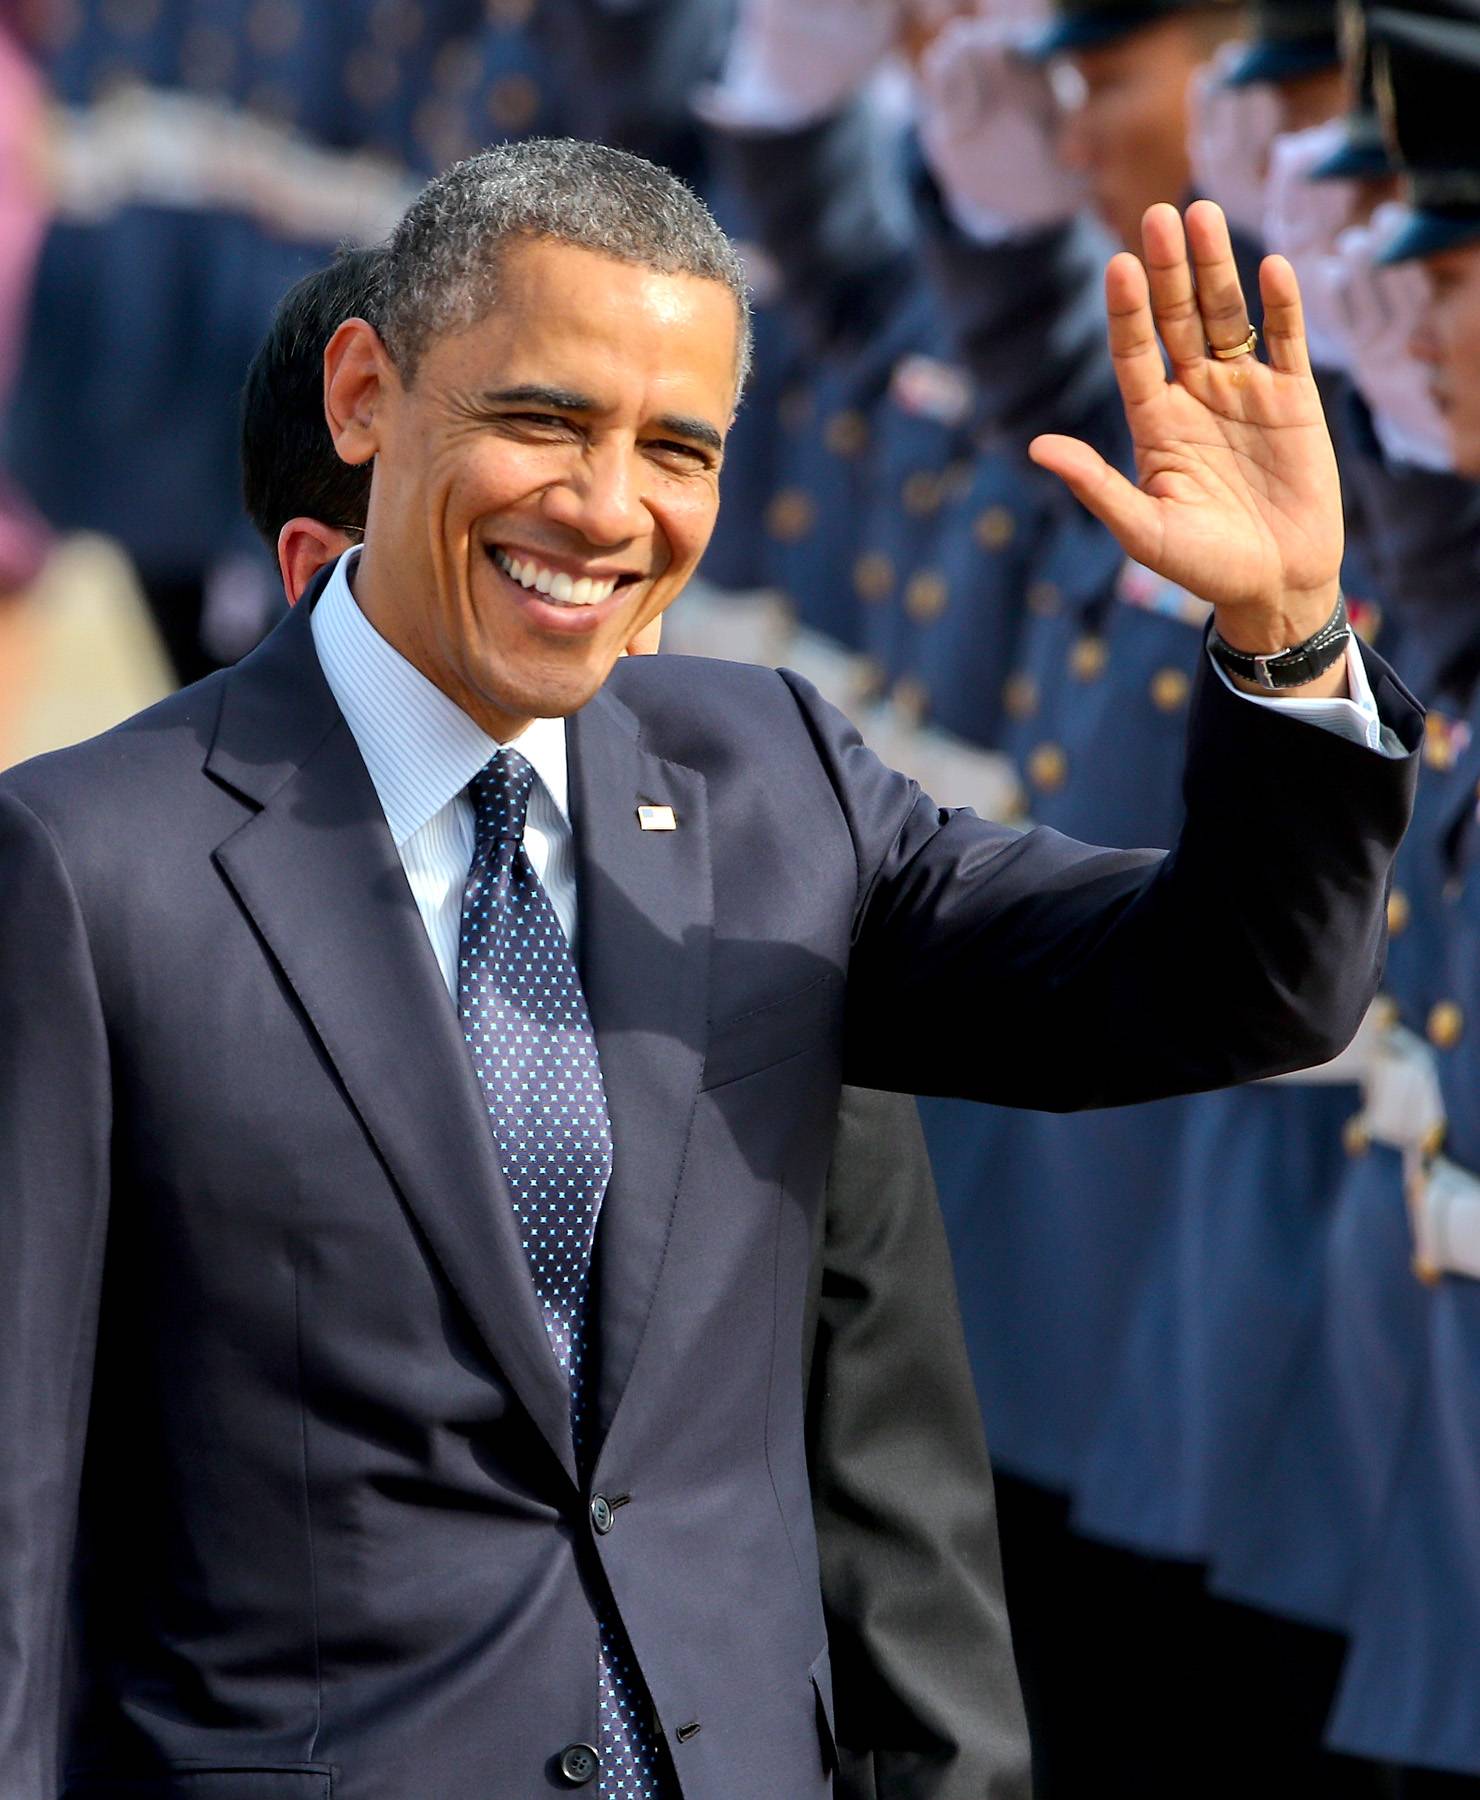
{"x": 442, "y": 262}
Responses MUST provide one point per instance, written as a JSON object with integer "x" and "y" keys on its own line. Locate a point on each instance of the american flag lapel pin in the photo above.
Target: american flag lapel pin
{"x": 656, "y": 818}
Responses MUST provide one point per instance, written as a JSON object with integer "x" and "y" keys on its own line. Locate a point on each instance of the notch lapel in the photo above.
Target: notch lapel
{"x": 320, "y": 877}
{"x": 647, "y": 920}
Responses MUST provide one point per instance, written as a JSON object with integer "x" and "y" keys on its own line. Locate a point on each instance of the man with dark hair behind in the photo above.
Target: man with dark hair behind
{"x": 288, "y": 462}
{"x": 926, "y": 1694}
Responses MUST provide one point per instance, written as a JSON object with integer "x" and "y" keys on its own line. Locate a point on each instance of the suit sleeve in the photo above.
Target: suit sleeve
{"x": 928, "y": 1705}
{"x": 1029, "y": 970}
{"x": 54, "y": 1147}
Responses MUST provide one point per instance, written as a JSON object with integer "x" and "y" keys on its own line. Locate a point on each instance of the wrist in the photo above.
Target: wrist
{"x": 1267, "y": 630}
{"x": 1309, "y": 666}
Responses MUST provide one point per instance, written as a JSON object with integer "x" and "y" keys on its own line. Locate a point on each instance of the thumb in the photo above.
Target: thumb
{"x": 1119, "y": 504}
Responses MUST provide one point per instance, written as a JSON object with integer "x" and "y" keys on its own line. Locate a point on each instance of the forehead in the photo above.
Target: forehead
{"x": 570, "y": 316}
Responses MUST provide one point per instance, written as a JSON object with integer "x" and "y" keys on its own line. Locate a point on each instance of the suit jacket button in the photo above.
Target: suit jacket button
{"x": 578, "y": 1763}
{"x": 602, "y": 1516}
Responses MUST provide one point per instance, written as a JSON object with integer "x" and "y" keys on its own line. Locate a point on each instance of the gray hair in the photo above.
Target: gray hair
{"x": 442, "y": 262}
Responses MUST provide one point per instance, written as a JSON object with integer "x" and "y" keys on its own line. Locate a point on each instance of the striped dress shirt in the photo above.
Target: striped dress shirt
{"x": 422, "y": 750}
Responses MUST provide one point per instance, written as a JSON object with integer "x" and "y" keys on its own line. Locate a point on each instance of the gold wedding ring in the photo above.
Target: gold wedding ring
{"x": 1244, "y": 349}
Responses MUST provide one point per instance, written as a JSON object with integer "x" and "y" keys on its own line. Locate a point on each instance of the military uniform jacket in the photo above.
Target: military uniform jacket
{"x": 328, "y": 1537}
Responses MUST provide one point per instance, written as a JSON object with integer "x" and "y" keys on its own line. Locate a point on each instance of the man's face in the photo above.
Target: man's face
{"x": 547, "y": 482}
{"x": 1448, "y": 343}
{"x": 1126, "y": 128}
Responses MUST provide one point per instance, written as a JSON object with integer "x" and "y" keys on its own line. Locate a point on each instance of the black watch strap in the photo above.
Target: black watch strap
{"x": 1293, "y": 667}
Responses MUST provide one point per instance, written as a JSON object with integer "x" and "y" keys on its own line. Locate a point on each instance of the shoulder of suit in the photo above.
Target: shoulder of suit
{"x": 133, "y": 770}
{"x": 668, "y": 694}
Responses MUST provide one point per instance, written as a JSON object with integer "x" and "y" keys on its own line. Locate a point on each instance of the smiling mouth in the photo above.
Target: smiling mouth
{"x": 556, "y": 585}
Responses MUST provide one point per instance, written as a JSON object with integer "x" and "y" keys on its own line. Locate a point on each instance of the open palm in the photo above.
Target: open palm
{"x": 1236, "y": 497}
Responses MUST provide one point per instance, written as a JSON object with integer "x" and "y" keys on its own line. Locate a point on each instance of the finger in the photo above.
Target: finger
{"x": 1132, "y": 516}
{"x": 1173, "y": 296}
{"x": 1220, "y": 294}
{"x": 1133, "y": 345}
{"x": 1284, "y": 317}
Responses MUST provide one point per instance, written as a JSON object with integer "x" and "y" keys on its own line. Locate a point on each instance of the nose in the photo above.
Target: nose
{"x": 601, "y": 498}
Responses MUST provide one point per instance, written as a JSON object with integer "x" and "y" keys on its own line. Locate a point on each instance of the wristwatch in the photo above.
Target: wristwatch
{"x": 1292, "y": 667}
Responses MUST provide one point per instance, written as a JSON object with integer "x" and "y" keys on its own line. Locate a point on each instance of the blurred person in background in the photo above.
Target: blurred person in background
{"x": 1408, "y": 1688}
{"x": 205, "y": 157}
{"x": 23, "y": 212}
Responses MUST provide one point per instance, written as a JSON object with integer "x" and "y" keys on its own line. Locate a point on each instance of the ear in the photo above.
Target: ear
{"x": 357, "y": 375}
{"x": 646, "y": 641}
{"x": 303, "y": 547}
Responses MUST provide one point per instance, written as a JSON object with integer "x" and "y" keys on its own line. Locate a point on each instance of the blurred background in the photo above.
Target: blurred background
{"x": 1225, "y": 1372}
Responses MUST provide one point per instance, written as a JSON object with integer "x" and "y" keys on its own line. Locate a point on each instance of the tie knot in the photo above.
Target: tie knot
{"x": 500, "y": 794}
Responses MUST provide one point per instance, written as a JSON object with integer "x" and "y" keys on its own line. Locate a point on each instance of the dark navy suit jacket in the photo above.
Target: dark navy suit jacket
{"x": 258, "y": 1262}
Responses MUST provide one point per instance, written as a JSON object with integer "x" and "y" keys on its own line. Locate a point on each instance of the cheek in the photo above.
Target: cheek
{"x": 687, "y": 521}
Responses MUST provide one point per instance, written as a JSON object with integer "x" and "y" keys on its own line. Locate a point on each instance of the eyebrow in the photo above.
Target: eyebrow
{"x": 698, "y": 431}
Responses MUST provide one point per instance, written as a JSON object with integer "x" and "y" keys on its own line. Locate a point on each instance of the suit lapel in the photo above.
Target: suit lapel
{"x": 647, "y": 917}
{"x": 320, "y": 877}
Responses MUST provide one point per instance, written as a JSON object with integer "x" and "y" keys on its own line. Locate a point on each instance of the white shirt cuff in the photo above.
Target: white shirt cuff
{"x": 1355, "y": 718}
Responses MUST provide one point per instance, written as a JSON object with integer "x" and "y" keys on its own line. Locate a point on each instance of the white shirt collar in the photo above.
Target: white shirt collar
{"x": 420, "y": 748}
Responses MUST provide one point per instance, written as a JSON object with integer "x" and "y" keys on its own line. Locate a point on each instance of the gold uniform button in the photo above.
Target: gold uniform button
{"x": 995, "y": 528}
{"x": 921, "y": 494}
{"x": 458, "y": 67}
{"x": 1446, "y": 1025}
{"x": 926, "y": 596}
{"x": 1438, "y": 742}
{"x": 1355, "y": 1138}
{"x": 846, "y": 434}
{"x": 1020, "y": 696}
{"x": 912, "y": 699}
{"x": 1399, "y": 913}
{"x": 513, "y": 102}
{"x": 1044, "y": 599}
{"x": 1169, "y": 690}
{"x": 791, "y": 515}
{"x": 1089, "y": 658}
{"x": 873, "y": 577}
{"x": 1048, "y": 768}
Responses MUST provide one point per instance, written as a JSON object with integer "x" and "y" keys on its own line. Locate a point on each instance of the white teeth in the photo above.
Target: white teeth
{"x": 565, "y": 589}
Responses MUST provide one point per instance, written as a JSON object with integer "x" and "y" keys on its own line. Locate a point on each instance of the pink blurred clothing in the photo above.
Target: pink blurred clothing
{"x": 23, "y": 220}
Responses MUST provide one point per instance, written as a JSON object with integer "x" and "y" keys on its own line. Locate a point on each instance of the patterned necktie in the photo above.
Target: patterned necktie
{"x": 524, "y": 1016}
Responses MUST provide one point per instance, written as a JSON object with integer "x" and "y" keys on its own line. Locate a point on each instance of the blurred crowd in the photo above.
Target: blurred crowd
{"x": 1228, "y": 1347}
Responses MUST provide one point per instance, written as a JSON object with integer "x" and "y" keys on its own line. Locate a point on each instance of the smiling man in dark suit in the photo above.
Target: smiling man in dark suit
{"x": 423, "y": 1043}
{"x": 927, "y": 1705}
